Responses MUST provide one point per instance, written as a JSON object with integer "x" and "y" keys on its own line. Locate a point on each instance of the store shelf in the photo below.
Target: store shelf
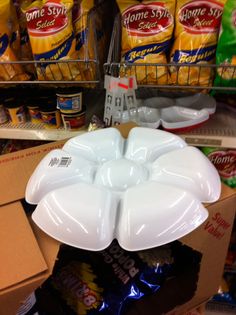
{"x": 29, "y": 131}
{"x": 170, "y": 76}
{"x": 218, "y": 131}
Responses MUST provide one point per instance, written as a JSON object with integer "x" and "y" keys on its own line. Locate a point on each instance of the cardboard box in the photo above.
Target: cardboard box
{"x": 28, "y": 255}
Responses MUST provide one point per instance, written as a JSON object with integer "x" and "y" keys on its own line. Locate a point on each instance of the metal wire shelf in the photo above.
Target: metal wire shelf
{"x": 177, "y": 76}
{"x": 125, "y": 69}
{"x": 58, "y": 72}
{"x": 84, "y": 68}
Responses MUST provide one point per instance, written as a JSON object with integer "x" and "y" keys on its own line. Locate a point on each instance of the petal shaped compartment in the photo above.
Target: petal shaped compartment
{"x": 190, "y": 170}
{"x": 57, "y": 169}
{"x": 79, "y": 215}
{"x": 146, "y": 145}
{"x": 154, "y": 214}
{"x": 97, "y": 146}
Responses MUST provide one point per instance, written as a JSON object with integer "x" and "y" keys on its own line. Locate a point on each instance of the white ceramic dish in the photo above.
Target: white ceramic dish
{"x": 145, "y": 191}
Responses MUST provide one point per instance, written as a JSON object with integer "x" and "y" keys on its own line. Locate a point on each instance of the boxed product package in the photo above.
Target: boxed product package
{"x": 28, "y": 255}
{"x": 224, "y": 161}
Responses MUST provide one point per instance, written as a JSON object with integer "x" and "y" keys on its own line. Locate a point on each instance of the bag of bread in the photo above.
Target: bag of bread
{"x": 9, "y": 43}
{"x": 51, "y": 34}
{"x": 226, "y": 49}
{"x": 147, "y": 28}
{"x": 197, "y": 25}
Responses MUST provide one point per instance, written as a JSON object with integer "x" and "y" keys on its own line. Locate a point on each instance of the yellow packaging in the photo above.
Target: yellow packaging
{"x": 50, "y": 29}
{"x": 51, "y": 119}
{"x": 25, "y": 48}
{"x": 196, "y": 34}
{"x": 17, "y": 115}
{"x": 147, "y": 28}
{"x": 84, "y": 36}
{"x": 9, "y": 43}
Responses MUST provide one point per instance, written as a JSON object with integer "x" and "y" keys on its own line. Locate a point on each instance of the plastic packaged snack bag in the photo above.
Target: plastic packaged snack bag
{"x": 9, "y": 43}
{"x": 25, "y": 48}
{"x": 50, "y": 29}
{"x": 196, "y": 35}
{"x": 147, "y": 28}
{"x": 226, "y": 49}
{"x": 109, "y": 282}
{"x": 224, "y": 161}
{"x": 84, "y": 36}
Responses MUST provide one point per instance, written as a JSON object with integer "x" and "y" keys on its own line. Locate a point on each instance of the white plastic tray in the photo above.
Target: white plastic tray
{"x": 172, "y": 114}
{"x": 144, "y": 191}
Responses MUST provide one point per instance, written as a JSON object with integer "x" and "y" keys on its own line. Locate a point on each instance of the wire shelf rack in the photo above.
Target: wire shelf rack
{"x": 177, "y": 76}
{"x": 85, "y": 69}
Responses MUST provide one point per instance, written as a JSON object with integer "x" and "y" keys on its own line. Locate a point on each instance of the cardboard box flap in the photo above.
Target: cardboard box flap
{"x": 21, "y": 257}
{"x": 16, "y": 169}
{"x": 48, "y": 245}
{"x": 217, "y": 224}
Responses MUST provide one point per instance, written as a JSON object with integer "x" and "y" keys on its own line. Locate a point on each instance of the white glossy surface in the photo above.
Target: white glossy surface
{"x": 144, "y": 145}
{"x": 159, "y": 102}
{"x": 57, "y": 169}
{"x": 169, "y": 214}
{"x": 79, "y": 215}
{"x": 198, "y": 102}
{"x": 190, "y": 170}
{"x": 180, "y": 117}
{"x": 172, "y": 114}
{"x": 145, "y": 191}
{"x": 97, "y": 146}
{"x": 120, "y": 174}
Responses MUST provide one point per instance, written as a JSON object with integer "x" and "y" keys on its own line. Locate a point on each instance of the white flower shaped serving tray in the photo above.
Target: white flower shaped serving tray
{"x": 145, "y": 191}
{"x": 172, "y": 114}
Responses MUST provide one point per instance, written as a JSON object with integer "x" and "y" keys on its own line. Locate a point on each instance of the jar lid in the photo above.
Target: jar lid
{"x": 48, "y": 106}
{"x": 68, "y": 91}
{"x": 10, "y": 102}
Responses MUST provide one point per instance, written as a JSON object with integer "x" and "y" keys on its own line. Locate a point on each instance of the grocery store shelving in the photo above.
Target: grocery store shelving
{"x": 29, "y": 131}
{"x": 218, "y": 131}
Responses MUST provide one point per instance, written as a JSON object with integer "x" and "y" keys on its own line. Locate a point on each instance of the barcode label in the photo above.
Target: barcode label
{"x": 60, "y": 162}
{"x": 65, "y": 162}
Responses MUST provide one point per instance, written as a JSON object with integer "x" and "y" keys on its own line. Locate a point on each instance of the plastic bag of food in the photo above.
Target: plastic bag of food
{"x": 50, "y": 29}
{"x": 224, "y": 161}
{"x": 85, "y": 40}
{"x": 196, "y": 34}
{"x": 25, "y": 48}
{"x": 111, "y": 281}
{"x": 226, "y": 49}
{"x": 147, "y": 28}
{"x": 9, "y": 43}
